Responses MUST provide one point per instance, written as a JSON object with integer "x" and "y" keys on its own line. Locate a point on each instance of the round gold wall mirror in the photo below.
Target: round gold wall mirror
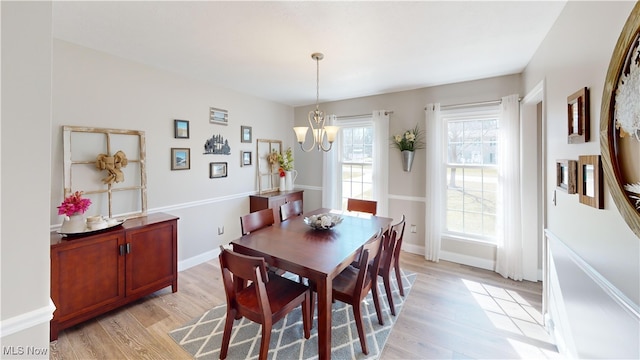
{"x": 620, "y": 123}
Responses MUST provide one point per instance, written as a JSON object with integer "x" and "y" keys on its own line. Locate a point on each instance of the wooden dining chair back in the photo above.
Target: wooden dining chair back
{"x": 366, "y": 206}
{"x": 290, "y": 209}
{"x": 353, "y": 284}
{"x": 399, "y": 228}
{"x": 256, "y": 220}
{"x": 265, "y": 301}
{"x": 386, "y": 264}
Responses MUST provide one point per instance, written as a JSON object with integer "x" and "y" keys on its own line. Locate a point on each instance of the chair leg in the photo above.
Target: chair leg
{"x": 376, "y": 302}
{"x": 266, "y": 338}
{"x": 396, "y": 266}
{"x": 306, "y": 314}
{"x": 226, "y": 336}
{"x": 357, "y": 314}
{"x": 387, "y": 289}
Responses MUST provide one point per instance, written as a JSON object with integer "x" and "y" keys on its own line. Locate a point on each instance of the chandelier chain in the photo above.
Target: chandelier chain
{"x": 317, "y": 82}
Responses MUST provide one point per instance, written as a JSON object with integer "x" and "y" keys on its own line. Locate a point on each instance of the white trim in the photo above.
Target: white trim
{"x": 413, "y": 249}
{"x": 308, "y": 187}
{"x": 453, "y": 257}
{"x": 190, "y": 204}
{"x": 467, "y": 260}
{"x": 198, "y": 259}
{"x": 27, "y": 320}
{"x": 407, "y": 198}
{"x": 618, "y": 296}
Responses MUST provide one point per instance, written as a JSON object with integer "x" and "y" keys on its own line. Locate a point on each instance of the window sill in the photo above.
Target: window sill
{"x": 469, "y": 240}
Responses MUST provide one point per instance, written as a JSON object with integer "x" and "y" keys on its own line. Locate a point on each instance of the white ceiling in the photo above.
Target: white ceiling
{"x": 264, "y": 48}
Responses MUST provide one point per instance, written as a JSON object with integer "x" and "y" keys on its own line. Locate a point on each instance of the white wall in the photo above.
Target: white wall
{"x": 407, "y": 189}
{"x": 95, "y": 89}
{"x": 25, "y": 201}
{"x": 575, "y": 54}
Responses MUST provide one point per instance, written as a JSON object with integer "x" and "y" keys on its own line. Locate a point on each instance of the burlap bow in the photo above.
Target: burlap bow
{"x": 112, "y": 164}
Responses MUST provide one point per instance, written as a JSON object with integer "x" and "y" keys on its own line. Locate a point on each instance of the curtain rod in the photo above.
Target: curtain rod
{"x": 360, "y": 115}
{"x": 479, "y": 103}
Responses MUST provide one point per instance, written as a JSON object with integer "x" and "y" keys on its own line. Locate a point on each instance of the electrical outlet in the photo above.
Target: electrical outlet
{"x": 220, "y": 230}
{"x": 413, "y": 228}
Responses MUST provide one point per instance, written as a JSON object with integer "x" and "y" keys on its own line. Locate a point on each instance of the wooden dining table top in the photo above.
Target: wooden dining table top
{"x": 318, "y": 251}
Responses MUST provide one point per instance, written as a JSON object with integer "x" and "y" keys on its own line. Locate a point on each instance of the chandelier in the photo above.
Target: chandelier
{"x": 319, "y": 131}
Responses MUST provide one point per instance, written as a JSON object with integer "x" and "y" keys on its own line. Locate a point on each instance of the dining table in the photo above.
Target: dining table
{"x": 316, "y": 254}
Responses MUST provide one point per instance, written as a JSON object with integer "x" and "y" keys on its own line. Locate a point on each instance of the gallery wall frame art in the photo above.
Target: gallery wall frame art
{"x": 217, "y": 170}
{"x": 180, "y": 158}
{"x": 181, "y": 129}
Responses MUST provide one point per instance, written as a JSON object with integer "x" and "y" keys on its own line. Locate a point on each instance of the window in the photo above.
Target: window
{"x": 472, "y": 174}
{"x": 356, "y": 160}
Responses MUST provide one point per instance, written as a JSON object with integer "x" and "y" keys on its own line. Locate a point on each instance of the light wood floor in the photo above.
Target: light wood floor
{"x": 453, "y": 311}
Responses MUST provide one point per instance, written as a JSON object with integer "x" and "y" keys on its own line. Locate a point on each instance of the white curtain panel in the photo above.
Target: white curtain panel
{"x": 435, "y": 180}
{"x": 509, "y": 252}
{"x": 330, "y": 198}
{"x": 381, "y": 161}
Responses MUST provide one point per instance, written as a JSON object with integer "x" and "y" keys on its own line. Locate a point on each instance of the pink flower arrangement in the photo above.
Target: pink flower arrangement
{"x": 74, "y": 204}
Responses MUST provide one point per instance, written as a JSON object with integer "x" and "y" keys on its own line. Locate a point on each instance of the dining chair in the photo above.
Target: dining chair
{"x": 399, "y": 228}
{"x": 367, "y": 206}
{"x": 256, "y": 220}
{"x": 266, "y": 301}
{"x": 386, "y": 264}
{"x": 391, "y": 247}
{"x": 290, "y": 209}
{"x": 353, "y": 284}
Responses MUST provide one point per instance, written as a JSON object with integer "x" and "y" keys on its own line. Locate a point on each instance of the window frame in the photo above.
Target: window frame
{"x": 353, "y": 123}
{"x": 487, "y": 112}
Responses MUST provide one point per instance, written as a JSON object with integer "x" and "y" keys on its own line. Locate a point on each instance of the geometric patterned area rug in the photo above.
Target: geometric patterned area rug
{"x": 202, "y": 336}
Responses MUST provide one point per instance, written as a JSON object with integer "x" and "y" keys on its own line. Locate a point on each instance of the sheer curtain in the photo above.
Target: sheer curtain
{"x": 509, "y": 252}
{"x": 434, "y": 178}
{"x": 381, "y": 160}
{"x": 331, "y": 173}
{"x": 330, "y": 179}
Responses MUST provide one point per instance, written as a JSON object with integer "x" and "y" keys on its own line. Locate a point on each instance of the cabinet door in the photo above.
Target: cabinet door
{"x": 87, "y": 274}
{"x": 152, "y": 259}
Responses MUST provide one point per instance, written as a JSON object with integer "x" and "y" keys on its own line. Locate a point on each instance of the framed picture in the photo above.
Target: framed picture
{"x": 181, "y": 129}
{"x": 578, "y": 116}
{"x": 245, "y": 134}
{"x": 180, "y": 159}
{"x": 590, "y": 181}
{"x": 217, "y": 170}
{"x": 246, "y": 158}
{"x": 566, "y": 175}
{"x": 218, "y": 116}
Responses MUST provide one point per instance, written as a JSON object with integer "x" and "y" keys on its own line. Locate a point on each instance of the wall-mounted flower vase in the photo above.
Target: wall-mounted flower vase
{"x": 407, "y": 160}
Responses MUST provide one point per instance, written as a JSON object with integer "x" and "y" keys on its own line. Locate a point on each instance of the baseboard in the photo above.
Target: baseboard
{"x": 198, "y": 259}
{"x": 467, "y": 260}
{"x": 414, "y": 249}
{"x": 27, "y": 320}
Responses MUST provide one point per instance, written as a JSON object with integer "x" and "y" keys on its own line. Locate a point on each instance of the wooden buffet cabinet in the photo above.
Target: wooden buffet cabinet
{"x": 99, "y": 272}
{"x": 273, "y": 201}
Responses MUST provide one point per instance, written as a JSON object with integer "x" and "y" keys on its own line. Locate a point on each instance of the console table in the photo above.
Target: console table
{"x": 273, "y": 201}
{"x": 101, "y": 271}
